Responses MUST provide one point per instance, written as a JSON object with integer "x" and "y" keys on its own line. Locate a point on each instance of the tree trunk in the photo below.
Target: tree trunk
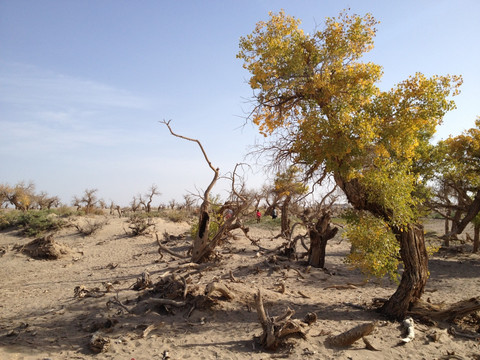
{"x": 412, "y": 251}
{"x": 414, "y": 278}
{"x": 200, "y": 242}
{"x": 473, "y": 210}
{"x": 447, "y": 229}
{"x": 476, "y": 238}
{"x": 319, "y": 234}
{"x": 285, "y": 222}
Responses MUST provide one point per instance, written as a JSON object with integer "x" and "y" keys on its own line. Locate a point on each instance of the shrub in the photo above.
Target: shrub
{"x": 91, "y": 226}
{"x": 36, "y": 222}
{"x": 9, "y": 219}
{"x": 176, "y": 215}
{"x": 139, "y": 224}
{"x": 375, "y": 250}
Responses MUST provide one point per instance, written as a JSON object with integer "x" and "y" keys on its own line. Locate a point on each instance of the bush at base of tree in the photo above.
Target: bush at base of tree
{"x": 375, "y": 250}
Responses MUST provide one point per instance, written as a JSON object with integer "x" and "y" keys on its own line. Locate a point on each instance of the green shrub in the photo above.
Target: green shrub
{"x": 36, "y": 222}
{"x": 176, "y": 215}
{"x": 375, "y": 250}
{"x": 9, "y": 219}
{"x": 65, "y": 211}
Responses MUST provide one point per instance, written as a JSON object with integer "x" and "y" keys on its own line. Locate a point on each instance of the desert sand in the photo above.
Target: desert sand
{"x": 42, "y": 316}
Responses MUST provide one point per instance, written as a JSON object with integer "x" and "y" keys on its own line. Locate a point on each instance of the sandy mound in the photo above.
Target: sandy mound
{"x": 44, "y": 248}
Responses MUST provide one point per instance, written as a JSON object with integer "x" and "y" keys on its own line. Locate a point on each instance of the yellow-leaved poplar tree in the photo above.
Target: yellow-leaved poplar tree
{"x": 314, "y": 90}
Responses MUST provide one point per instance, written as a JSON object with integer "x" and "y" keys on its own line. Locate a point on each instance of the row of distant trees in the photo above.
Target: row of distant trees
{"x": 23, "y": 196}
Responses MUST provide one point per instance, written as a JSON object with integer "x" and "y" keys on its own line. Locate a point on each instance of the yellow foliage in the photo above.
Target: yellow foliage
{"x": 316, "y": 87}
{"x": 375, "y": 250}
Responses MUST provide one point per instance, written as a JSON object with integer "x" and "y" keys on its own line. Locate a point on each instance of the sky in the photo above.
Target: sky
{"x": 85, "y": 84}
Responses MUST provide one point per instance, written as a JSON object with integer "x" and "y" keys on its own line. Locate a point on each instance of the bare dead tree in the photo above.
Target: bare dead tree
{"x": 135, "y": 204}
{"x": 172, "y": 204}
{"x": 189, "y": 202}
{"x": 89, "y": 200}
{"x": 147, "y": 202}
{"x": 237, "y": 204}
{"x": 201, "y": 240}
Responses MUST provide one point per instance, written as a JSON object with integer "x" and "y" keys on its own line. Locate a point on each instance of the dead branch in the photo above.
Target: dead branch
{"x": 150, "y": 328}
{"x": 452, "y": 331}
{"x": 167, "y": 250}
{"x": 233, "y": 278}
{"x": 347, "y": 338}
{"x": 168, "y": 302}
{"x": 369, "y": 345}
{"x": 222, "y": 289}
{"x": 340, "y": 287}
{"x": 115, "y": 301}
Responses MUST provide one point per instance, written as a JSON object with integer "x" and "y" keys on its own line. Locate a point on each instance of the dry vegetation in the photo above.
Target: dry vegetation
{"x": 109, "y": 295}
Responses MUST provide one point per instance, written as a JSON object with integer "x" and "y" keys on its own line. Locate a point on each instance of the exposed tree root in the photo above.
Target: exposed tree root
{"x": 449, "y": 313}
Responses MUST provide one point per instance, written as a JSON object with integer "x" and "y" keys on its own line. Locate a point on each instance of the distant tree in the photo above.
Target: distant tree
{"x": 88, "y": 201}
{"x": 21, "y": 195}
{"x": 188, "y": 202}
{"x": 4, "y": 189}
{"x": 146, "y": 201}
{"x": 288, "y": 185}
{"x": 44, "y": 201}
{"x": 172, "y": 204}
{"x": 135, "y": 204}
{"x": 457, "y": 167}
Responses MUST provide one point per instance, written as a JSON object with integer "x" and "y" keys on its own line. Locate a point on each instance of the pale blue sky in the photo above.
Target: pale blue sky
{"x": 83, "y": 84}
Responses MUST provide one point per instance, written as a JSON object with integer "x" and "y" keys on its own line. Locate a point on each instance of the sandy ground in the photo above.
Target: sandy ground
{"x": 41, "y": 318}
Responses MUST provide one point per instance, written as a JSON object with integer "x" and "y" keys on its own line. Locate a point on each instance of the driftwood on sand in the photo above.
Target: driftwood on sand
{"x": 276, "y": 329}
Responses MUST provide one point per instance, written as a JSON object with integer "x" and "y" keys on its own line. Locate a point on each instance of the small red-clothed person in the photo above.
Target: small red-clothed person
{"x": 259, "y": 215}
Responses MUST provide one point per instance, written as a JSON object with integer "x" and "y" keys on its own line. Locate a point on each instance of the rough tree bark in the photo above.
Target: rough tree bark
{"x": 412, "y": 251}
{"x": 285, "y": 222}
{"x": 319, "y": 234}
{"x": 415, "y": 274}
{"x": 476, "y": 238}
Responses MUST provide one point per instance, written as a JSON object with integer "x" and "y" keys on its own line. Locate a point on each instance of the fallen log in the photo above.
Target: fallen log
{"x": 347, "y": 338}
